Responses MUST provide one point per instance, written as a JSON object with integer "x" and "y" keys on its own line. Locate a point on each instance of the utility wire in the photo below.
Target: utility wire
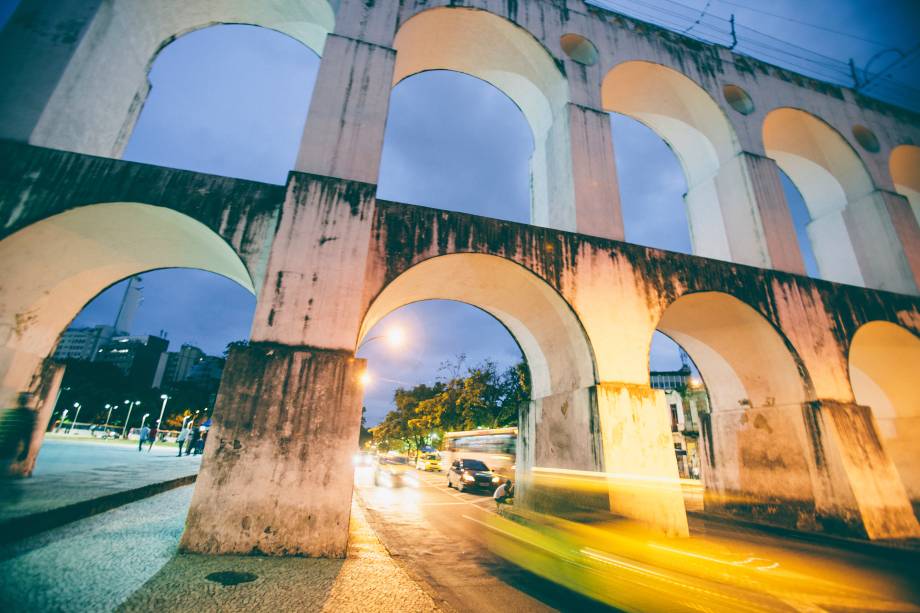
{"x": 698, "y": 19}
{"x": 801, "y": 22}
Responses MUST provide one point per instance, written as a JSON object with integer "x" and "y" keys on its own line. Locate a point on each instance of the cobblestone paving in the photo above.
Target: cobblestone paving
{"x": 126, "y": 559}
{"x": 95, "y": 563}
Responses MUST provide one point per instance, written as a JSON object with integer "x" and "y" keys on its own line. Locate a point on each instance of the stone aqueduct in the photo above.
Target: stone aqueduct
{"x": 814, "y": 417}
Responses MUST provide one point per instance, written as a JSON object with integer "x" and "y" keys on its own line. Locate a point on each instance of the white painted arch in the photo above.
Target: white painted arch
{"x": 99, "y": 96}
{"x": 742, "y": 358}
{"x": 491, "y": 48}
{"x": 884, "y": 360}
{"x": 53, "y": 267}
{"x": 905, "y": 174}
{"x": 549, "y": 333}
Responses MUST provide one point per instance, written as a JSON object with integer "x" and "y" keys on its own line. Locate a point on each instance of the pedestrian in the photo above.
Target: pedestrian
{"x": 152, "y": 437}
{"x": 183, "y": 435}
{"x": 16, "y": 427}
{"x": 502, "y": 493}
{"x": 144, "y": 433}
{"x": 199, "y": 445}
{"x": 192, "y": 439}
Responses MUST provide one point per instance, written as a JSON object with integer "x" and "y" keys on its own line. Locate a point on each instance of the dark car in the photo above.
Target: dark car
{"x": 467, "y": 473}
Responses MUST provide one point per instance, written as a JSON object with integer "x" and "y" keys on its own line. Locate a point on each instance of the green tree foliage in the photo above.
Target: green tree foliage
{"x": 468, "y": 397}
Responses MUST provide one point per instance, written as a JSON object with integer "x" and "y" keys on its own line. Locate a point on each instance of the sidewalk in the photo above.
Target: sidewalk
{"x": 367, "y": 580}
{"x": 44, "y": 501}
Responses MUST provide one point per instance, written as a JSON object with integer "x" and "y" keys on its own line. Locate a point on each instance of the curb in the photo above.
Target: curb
{"x": 18, "y": 528}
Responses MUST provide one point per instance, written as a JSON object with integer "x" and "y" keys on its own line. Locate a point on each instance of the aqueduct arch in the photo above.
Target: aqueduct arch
{"x": 319, "y": 250}
{"x": 549, "y": 333}
{"x": 696, "y": 129}
{"x": 843, "y": 203}
{"x": 905, "y": 173}
{"x": 757, "y": 389}
{"x": 883, "y": 361}
{"x": 95, "y": 97}
{"x": 95, "y": 246}
{"x": 491, "y": 48}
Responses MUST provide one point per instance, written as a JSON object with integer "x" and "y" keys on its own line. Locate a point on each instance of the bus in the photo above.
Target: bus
{"x": 496, "y": 448}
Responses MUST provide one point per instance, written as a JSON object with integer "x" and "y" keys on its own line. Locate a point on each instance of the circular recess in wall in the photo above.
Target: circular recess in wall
{"x": 579, "y": 48}
{"x": 866, "y": 138}
{"x": 738, "y": 99}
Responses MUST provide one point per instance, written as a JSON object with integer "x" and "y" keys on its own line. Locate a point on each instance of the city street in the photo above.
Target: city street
{"x": 434, "y": 532}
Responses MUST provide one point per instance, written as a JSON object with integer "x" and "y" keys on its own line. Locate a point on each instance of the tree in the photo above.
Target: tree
{"x": 465, "y": 399}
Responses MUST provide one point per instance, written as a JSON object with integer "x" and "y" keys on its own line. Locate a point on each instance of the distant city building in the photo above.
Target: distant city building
{"x": 141, "y": 358}
{"x": 83, "y": 343}
{"x": 208, "y": 370}
{"x": 179, "y": 364}
{"x": 671, "y": 379}
{"x": 129, "y": 303}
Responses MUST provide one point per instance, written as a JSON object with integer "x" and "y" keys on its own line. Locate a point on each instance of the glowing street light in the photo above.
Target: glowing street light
{"x": 365, "y": 379}
{"x": 77, "y": 406}
{"x": 395, "y": 337}
{"x": 128, "y": 418}
{"x": 162, "y": 410}
{"x": 105, "y": 428}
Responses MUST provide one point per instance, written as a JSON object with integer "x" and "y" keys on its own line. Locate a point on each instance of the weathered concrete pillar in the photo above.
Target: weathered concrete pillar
{"x": 815, "y": 467}
{"x": 558, "y": 432}
{"x": 42, "y": 396}
{"x": 740, "y": 215}
{"x": 639, "y": 459}
{"x": 594, "y": 174}
{"x": 276, "y": 476}
{"x": 36, "y": 46}
{"x": 343, "y": 135}
{"x": 755, "y": 179}
{"x": 288, "y": 413}
{"x": 886, "y": 240}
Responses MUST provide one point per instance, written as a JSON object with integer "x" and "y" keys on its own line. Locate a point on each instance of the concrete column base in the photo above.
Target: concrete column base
{"x": 818, "y": 467}
{"x": 43, "y": 394}
{"x": 276, "y": 478}
{"x": 639, "y": 457}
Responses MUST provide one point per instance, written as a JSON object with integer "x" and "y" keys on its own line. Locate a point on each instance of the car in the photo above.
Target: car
{"x": 429, "y": 461}
{"x": 363, "y": 458}
{"x": 393, "y": 471}
{"x": 468, "y": 473}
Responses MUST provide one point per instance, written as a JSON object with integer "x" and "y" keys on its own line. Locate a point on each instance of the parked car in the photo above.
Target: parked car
{"x": 429, "y": 461}
{"x": 467, "y": 473}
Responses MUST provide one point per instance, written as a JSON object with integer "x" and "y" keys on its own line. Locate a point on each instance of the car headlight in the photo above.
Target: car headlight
{"x": 496, "y": 479}
{"x": 468, "y": 477}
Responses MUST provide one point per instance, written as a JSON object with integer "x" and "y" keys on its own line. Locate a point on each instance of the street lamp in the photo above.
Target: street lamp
{"x": 128, "y": 418}
{"x": 144, "y": 418}
{"x": 105, "y": 428}
{"x": 77, "y": 406}
{"x": 162, "y": 410}
{"x": 395, "y": 337}
{"x": 63, "y": 417}
{"x": 365, "y": 379}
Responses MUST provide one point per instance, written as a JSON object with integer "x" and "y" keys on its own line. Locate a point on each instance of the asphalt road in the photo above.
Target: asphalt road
{"x": 433, "y": 532}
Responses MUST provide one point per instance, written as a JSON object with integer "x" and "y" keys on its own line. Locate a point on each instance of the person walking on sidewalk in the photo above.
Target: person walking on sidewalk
{"x": 152, "y": 437}
{"x": 183, "y": 434}
{"x": 192, "y": 440}
{"x": 144, "y": 433}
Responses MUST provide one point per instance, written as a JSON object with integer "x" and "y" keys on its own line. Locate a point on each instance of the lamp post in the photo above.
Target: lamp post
{"x": 128, "y": 418}
{"x": 77, "y": 406}
{"x": 395, "y": 336}
{"x": 162, "y": 410}
{"x": 105, "y": 428}
{"x": 63, "y": 417}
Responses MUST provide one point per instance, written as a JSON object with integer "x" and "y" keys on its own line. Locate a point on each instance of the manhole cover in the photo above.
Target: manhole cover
{"x": 230, "y": 577}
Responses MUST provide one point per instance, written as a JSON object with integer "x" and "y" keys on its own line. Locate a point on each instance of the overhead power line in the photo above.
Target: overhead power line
{"x": 801, "y": 22}
{"x": 706, "y": 26}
